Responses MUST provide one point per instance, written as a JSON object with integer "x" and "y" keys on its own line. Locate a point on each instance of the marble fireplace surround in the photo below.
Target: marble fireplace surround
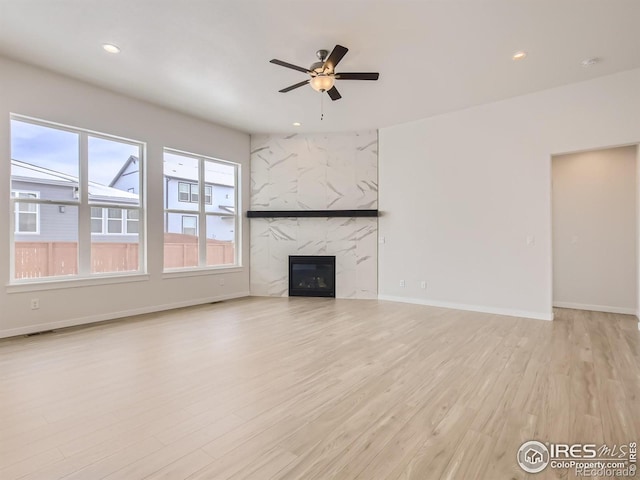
{"x": 314, "y": 172}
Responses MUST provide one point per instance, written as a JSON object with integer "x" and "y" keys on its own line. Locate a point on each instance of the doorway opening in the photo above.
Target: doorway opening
{"x": 595, "y": 230}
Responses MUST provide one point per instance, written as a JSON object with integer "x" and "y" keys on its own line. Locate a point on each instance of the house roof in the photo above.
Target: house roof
{"x": 123, "y": 169}
{"x": 215, "y": 174}
{"x": 27, "y": 172}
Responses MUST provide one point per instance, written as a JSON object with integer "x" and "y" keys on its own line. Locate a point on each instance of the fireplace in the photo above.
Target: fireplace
{"x": 312, "y": 276}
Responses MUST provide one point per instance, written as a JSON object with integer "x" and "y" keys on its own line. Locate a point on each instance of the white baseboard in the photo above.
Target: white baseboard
{"x": 470, "y": 308}
{"x": 42, "y": 327}
{"x": 596, "y": 308}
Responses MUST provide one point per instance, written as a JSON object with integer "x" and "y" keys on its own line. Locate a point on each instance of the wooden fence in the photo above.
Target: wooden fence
{"x": 182, "y": 251}
{"x": 47, "y": 259}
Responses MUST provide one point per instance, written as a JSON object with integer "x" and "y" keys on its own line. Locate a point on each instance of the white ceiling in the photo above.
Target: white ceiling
{"x": 210, "y": 58}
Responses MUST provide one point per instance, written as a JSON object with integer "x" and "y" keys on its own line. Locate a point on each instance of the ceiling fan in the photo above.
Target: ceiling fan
{"x": 323, "y": 74}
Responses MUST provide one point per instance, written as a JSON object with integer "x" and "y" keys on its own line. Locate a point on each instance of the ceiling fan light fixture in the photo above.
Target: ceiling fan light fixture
{"x": 322, "y": 82}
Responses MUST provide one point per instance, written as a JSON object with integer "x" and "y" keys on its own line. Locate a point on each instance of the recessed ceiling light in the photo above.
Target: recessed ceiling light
{"x": 111, "y": 48}
{"x": 519, "y": 55}
{"x": 296, "y": 124}
{"x": 589, "y": 62}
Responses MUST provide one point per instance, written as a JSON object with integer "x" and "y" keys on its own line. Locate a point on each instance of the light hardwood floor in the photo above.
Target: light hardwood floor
{"x": 280, "y": 388}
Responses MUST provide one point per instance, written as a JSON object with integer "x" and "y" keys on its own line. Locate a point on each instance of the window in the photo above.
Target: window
{"x": 73, "y": 193}
{"x": 184, "y": 192}
{"x": 189, "y": 225}
{"x": 194, "y": 193}
{"x": 114, "y": 221}
{"x": 132, "y": 224}
{"x": 203, "y": 231}
{"x": 26, "y": 214}
{"x": 189, "y": 192}
{"x": 97, "y": 223}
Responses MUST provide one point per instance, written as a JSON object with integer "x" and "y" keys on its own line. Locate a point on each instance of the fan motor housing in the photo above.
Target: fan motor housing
{"x": 316, "y": 67}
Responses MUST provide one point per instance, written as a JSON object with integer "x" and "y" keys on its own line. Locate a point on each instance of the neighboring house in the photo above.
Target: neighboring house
{"x": 59, "y": 223}
{"x": 181, "y": 192}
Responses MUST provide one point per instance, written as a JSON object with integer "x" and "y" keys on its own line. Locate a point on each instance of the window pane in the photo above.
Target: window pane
{"x": 133, "y": 223}
{"x": 45, "y": 160}
{"x": 114, "y": 226}
{"x": 115, "y": 213}
{"x": 132, "y": 226}
{"x": 20, "y": 194}
{"x": 114, "y": 171}
{"x": 27, "y": 207}
{"x": 221, "y": 178}
{"x": 96, "y": 220}
{"x": 180, "y": 250}
{"x": 53, "y": 251}
{"x": 183, "y": 192}
{"x": 220, "y": 240}
{"x": 189, "y": 225}
{"x": 27, "y": 222}
{"x": 179, "y": 169}
{"x": 194, "y": 193}
{"x": 96, "y": 225}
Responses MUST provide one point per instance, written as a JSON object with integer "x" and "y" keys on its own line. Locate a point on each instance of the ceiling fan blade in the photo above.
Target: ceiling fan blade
{"x": 289, "y": 65}
{"x": 334, "y": 58}
{"x": 288, "y": 89}
{"x": 334, "y": 94}
{"x": 358, "y": 76}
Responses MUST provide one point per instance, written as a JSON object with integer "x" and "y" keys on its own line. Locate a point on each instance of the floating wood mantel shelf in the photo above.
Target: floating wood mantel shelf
{"x": 310, "y": 213}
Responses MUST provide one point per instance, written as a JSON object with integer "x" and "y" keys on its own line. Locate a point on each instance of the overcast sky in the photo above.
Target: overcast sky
{"x": 57, "y": 150}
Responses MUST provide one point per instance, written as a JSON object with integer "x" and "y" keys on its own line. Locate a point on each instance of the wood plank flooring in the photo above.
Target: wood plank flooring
{"x": 277, "y": 388}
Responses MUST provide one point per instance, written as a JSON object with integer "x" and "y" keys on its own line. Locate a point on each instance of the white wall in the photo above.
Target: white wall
{"x": 38, "y": 93}
{"x": 336, "y": 171}
{"x": 465, "y": 197}
{"x": 594, "y": 230}
{"x": 638, "y": 233}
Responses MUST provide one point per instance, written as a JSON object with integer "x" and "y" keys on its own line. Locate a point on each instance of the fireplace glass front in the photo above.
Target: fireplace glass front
{"x": 312, "y": 276}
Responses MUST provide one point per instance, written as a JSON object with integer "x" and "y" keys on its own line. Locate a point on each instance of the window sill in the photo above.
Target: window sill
{"x": 196, "y": 272}
{"x": 63, "y": 283}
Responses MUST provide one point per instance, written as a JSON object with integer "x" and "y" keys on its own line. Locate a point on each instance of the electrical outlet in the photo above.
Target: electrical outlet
{"x": 402, "y": 283}
{"x": 423, "y": 284}
{"x": 35, "y": 303}
{"x": 222, "y": 282}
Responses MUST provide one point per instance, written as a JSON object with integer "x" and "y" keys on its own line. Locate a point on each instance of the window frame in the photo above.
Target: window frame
{"x": 82, "y": 202}
{"x": 202, "y": 213}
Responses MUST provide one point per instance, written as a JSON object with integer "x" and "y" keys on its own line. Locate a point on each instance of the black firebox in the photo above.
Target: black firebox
{"x": 312, "y": 276}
